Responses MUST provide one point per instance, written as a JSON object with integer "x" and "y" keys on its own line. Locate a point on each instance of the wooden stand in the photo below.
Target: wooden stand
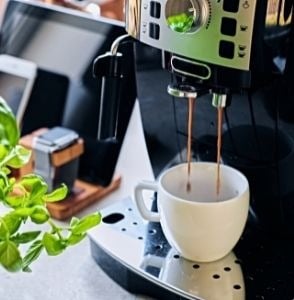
{"x": 82, "y": 195}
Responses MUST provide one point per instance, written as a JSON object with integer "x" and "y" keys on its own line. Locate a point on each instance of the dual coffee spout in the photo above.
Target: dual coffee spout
{"x": 220, "y": 97}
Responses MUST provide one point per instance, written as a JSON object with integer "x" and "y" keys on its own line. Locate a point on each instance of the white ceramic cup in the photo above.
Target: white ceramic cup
{"x": 200, "y": 225}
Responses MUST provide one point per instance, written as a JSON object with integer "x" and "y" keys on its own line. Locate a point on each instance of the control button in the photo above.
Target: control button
{"x": 154, "y": 31}
{"x": 226, "y": 49}
{"x": 243, "y": 27}
{"x": 155, "y": 9}
{"x": 246, "y": 4}
{"x": 241, "y": 54}
{"x": 144, "y": 27}
{"x": 231, "y": 5}
{"x": 229, "y": 26}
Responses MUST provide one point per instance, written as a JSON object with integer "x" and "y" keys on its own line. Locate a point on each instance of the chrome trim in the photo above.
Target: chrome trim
{"x": 200, "y": 12}
{"x": 202, "y": 44}
{"x": 219, "y": 100}
{"x": 116, "y": 42}
{"x": 192, "y": 63}
{"x": 182, "y": 91}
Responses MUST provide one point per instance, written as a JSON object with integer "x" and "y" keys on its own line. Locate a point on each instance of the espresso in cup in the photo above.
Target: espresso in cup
{"x": 200, "y": 224}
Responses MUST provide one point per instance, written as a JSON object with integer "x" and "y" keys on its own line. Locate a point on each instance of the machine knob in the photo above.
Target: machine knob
{"x": 186, "y": 16}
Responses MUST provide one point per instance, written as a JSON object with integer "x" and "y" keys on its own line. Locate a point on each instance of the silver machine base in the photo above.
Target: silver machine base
{"x": 136, "y": 255}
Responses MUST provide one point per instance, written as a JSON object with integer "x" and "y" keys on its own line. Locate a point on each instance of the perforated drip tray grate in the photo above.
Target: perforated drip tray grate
{"x": 136, "y": 254}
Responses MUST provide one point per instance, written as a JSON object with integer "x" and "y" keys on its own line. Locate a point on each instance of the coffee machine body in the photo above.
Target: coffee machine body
{"x": 244, "y": 49}
{"x": 218, "y": 43}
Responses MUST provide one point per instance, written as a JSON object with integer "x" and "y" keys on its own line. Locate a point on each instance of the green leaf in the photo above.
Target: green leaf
{"x": 73, "y": 221}
{"x": 52, "y": 244}
{"x": 7, "y": 171}
{"x": 25, "y": 237}
{"x": 57, "y": 195}
{"x": 32, "y": 254}
{"x": 9, "y": 132}
{"x": 3, "y": 138}
{"x": 5, "y": 183}
{"x": 74, "y": 239}
{"x": 10, "y": 256}
{"x": 12, "y": 223}
{"x": 27, "y": 269}
{"x": 40, "y": 214}
{"x": 18, "y": 157}
{"x": 86, "y": 223}
{"x": 24, "y": 212}
{"x": 36, "y": 186}
{"x": 2, "y": 193}
{"x": 4, "y": 232}
{"x": 3, "y": 152}
{"x": 15, "y": 200}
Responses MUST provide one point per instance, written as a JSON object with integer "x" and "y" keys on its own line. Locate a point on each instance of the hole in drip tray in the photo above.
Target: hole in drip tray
{"x": 227, "y": 269}
{"x": 152, "y": 231}
{"x": 216, "y": 276}
{"x": 158, "y": 247}
{"x": 237, "y": 287}
{"x": 113, "y": 218}
{"x": 176, "y": 256}
{"x": 195, "y": 266}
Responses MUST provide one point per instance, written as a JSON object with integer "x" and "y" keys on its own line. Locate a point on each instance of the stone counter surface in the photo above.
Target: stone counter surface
{"x": 73, "y": 275}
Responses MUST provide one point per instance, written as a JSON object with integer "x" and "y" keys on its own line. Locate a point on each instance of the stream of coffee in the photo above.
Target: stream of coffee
{"x": 191, "y": 103}
{"x": 219, "y": 145}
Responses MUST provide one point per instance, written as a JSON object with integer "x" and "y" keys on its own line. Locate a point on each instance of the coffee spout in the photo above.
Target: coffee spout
{"x": 221, "y": 99}
{"x": 184, "y": 90}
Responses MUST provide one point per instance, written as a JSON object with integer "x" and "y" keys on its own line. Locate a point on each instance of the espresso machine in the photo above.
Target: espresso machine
{"x": 231, "y": 54}
{"x": 228, "y": 51}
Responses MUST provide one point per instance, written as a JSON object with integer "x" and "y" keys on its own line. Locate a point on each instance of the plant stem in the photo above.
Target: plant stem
{"x": 56, "y": 229}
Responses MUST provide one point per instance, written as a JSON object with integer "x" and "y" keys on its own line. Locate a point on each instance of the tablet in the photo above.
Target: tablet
{"x": 17, "y": 78}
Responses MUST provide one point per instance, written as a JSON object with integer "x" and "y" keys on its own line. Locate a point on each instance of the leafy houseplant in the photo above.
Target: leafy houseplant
{"x": 25, "y": 201}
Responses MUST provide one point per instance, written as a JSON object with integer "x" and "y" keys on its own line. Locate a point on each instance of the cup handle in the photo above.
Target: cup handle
{"x": 144, "y": 211}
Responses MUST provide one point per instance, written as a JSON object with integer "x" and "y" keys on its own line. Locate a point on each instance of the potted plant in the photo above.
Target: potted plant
{"x": 25, "y": 201}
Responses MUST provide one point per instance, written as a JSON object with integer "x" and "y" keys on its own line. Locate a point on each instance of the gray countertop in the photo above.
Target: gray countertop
{"x": 73, "y": 275}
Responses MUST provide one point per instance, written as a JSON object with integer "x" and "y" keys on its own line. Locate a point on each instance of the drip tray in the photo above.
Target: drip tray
{"x": 137, "y": 256}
